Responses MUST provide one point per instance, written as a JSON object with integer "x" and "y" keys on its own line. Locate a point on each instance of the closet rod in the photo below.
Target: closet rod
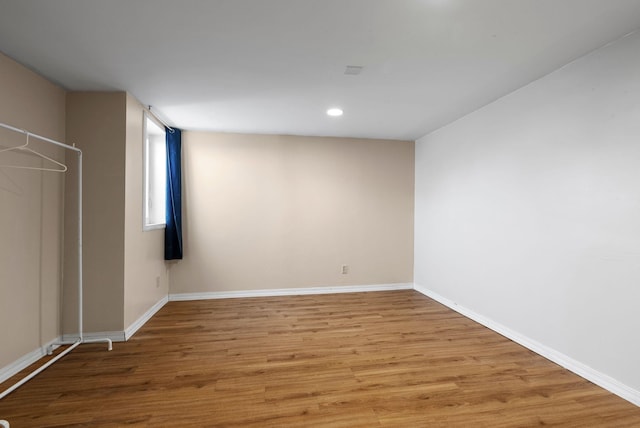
{"x": 40, "y": 137}
{"x": 81, "y": 338}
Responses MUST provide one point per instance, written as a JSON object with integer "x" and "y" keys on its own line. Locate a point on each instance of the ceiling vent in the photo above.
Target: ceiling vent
{"x": 353, "y": 70}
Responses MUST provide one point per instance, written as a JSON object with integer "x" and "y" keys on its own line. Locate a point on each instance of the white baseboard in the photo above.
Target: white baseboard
{"x": 559, "y": 358}
{"x": 25, "y": 361}
{"x": 592, "y": 375}
{"x": 289, "y": 291}
{"x": 115, "y": 336}
{"x": 131, "y": 330}
{"x": 121, "y": 336}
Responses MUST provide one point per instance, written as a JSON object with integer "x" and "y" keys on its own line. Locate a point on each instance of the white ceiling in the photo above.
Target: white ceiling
{"x": 275, "y": 66}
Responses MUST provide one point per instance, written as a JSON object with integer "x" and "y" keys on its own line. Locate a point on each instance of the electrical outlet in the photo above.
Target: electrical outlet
{"x": 345, "y": 269}
{"x": 157, "y": 282}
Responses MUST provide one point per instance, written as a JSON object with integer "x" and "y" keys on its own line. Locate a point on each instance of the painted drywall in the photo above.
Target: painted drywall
{"x": 31, "y": 209}
{"x": 273, "y": 212}
{"x": 527, "y": 211}
{"x": 96, "y": 123}
{"x": 125, "y": 273}
{"x": 145, "y": 274}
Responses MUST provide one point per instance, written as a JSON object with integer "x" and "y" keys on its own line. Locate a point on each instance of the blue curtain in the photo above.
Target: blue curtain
{"x": 173, "y": 231}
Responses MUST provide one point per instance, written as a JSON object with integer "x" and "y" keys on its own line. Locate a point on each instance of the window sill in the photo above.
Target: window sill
{"x": 148, "y": 227}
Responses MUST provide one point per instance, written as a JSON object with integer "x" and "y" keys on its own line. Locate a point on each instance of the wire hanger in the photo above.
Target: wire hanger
{"x": 61, "y": 167}
{"x": 8, "y": 149}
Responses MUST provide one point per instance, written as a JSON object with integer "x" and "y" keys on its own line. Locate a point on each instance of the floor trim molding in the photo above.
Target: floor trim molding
{"x": 131, "y": 330}
{"x": 612, "y": 385}
{"x": 289, "y": 291}
{"x": 551, "y": 354}
{"x": 115, "y": 336}
{"x": 25, "y": 361}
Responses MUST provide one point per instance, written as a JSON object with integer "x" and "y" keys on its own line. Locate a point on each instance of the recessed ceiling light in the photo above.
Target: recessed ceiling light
{"x": 334, "y": 112}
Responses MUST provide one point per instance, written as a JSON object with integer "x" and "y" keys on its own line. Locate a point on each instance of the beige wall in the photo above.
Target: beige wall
{"x": 145, "y": 274}
{"x": 123, "y": 278}
{"x": 125, "y": 274}
{"x": 264, "y": 212}
{"x": 96, "y": 123}
{"x": 30, "y": 215}
{"x": 260, "y": 212}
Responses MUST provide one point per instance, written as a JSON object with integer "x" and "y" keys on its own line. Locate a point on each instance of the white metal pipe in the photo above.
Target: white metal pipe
{"x": 31, "y": 134}
{"x": 106, "y": 340}
{"x": 80, "y": 326}
{"x": 81, "y": 339}
{"x": 38, "y": 371}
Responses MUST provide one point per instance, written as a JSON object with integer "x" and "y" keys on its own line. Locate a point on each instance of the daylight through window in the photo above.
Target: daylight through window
{"x": 155, "y": 175}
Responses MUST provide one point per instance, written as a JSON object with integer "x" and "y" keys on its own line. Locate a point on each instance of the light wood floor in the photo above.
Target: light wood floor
{"x": 392, "y": 359}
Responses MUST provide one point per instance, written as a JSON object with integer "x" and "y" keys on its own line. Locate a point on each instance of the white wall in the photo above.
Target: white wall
{"x": 528, "y": 211}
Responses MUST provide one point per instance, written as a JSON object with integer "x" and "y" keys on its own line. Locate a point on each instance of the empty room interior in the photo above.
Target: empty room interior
{"x": 339, "y": 213}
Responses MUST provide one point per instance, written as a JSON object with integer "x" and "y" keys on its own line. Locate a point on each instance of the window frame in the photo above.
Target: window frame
{"x": 148, "y": 222}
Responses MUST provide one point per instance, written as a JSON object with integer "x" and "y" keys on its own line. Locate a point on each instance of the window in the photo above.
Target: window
{"x": 155, "y": 175}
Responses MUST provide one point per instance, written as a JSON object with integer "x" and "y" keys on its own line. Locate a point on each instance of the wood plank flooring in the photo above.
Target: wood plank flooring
{"x": 383, "y": 359}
